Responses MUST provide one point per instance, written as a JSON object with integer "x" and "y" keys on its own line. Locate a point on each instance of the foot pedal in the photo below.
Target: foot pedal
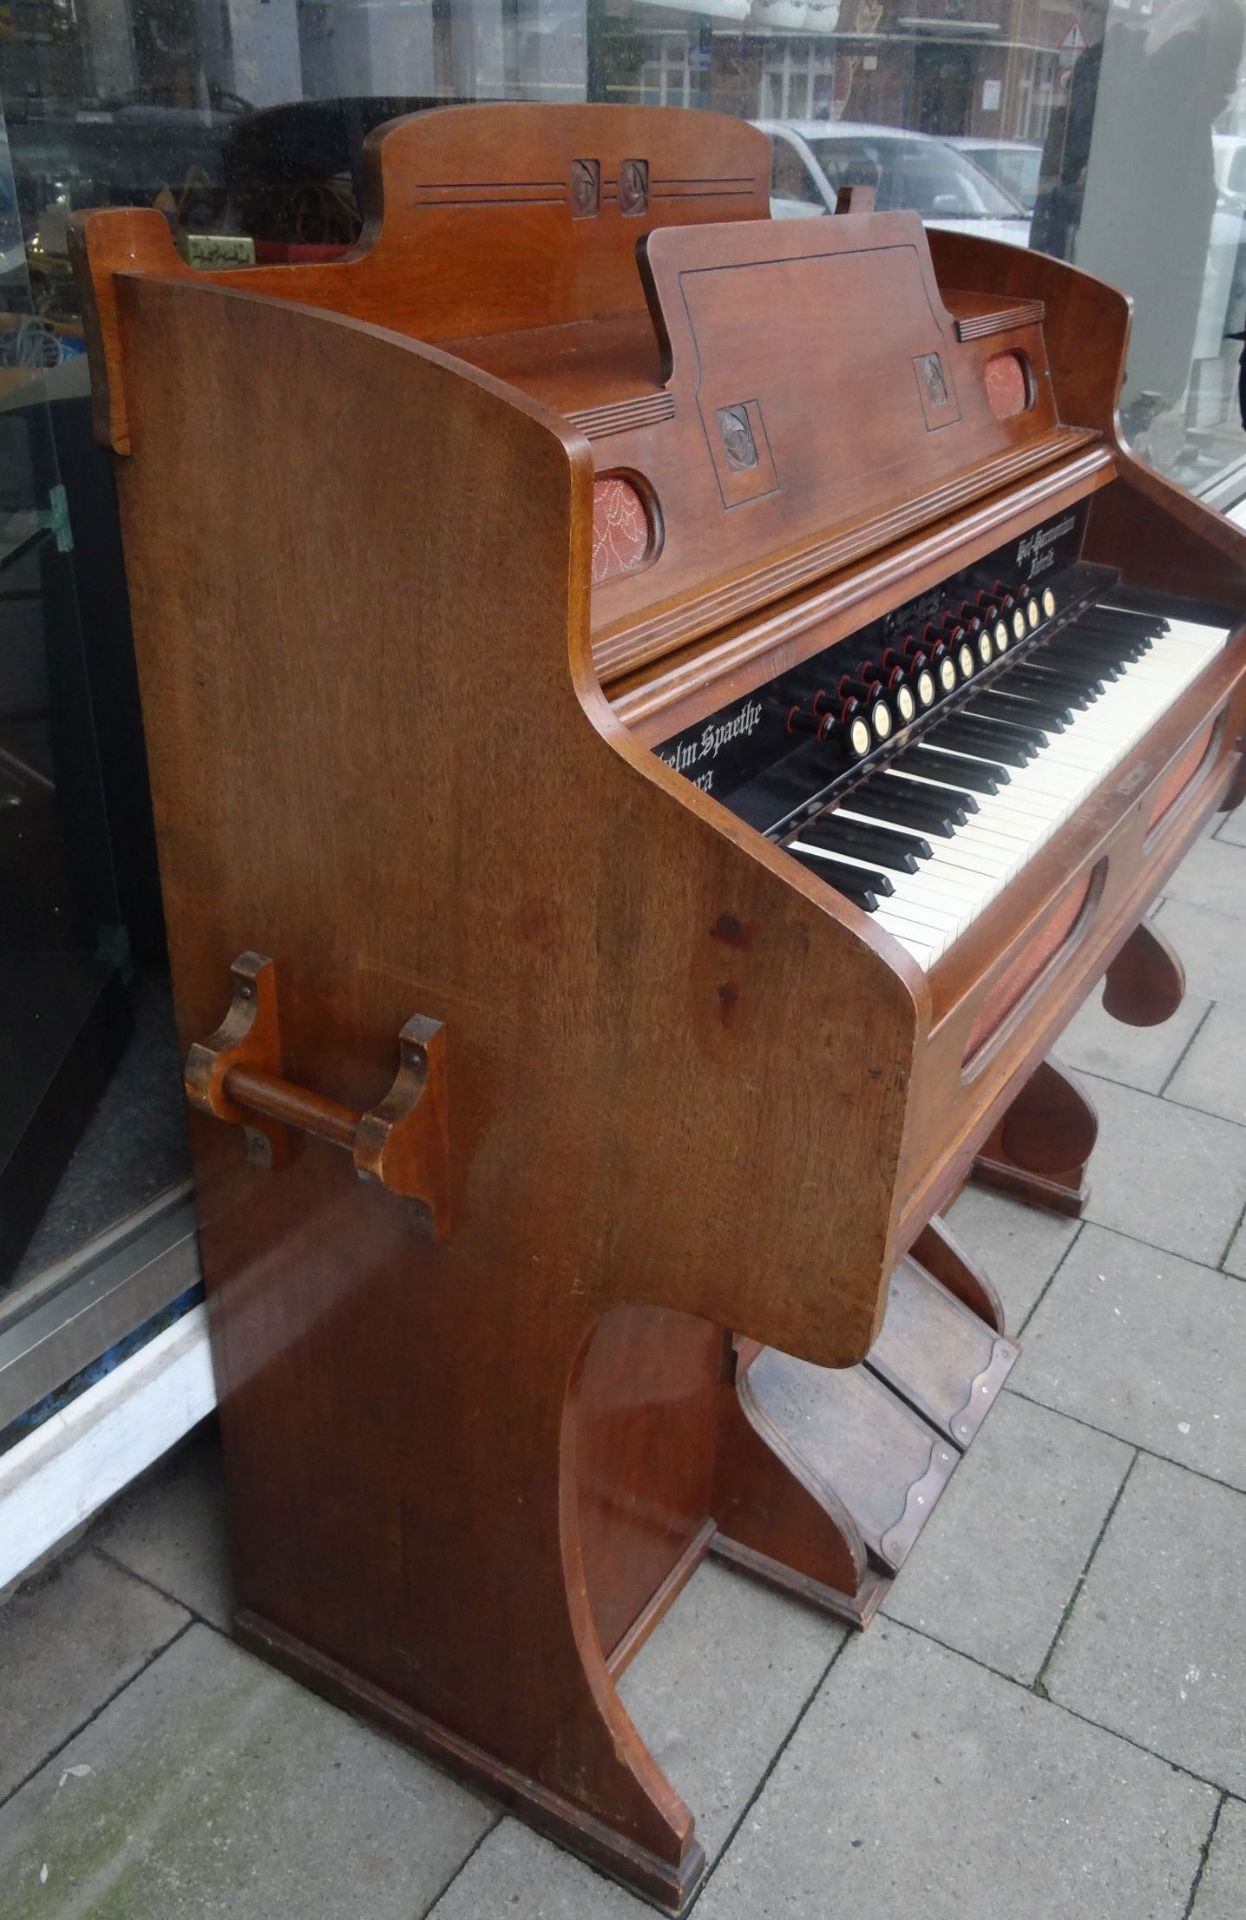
{"x": 882, "y": 1440}
{"x": 856, "y": 1439}
{"x": 936, "y": 1355}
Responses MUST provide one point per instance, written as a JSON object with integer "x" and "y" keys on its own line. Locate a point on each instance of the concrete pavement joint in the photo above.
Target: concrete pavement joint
{"x": 1182, "y": 1466}
{"x": 1185, "y": 1049}
{"x": 1048, "y": 1281}
{"x": 94, "y": 1715}
{"x": 1228, "y": 1246}
{"x": 1039, "y": 1685}
{"x": 1062, "y": 1706}
{"x": 775, "y": 1758}
{"x": 119, "y": 1566}
{"x": 471, "y": 1855}
{"x": 1122, "y": 1233}
{"x": 1201, "y": 1868}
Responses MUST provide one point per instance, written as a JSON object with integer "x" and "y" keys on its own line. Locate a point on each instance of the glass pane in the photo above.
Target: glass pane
{"x": 64, "y": 1011}
{"x": 1113, "y": 137}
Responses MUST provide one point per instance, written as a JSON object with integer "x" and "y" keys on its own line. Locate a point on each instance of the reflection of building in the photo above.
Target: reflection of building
{"x": 984, "y": 67}
{"x": 187, "y": 52}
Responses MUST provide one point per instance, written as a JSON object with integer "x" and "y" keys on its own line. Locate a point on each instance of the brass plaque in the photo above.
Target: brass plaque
{"x": 205, "y": 250}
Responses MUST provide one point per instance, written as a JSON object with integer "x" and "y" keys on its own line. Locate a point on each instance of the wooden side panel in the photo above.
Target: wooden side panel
{"x": 359, "y": 770}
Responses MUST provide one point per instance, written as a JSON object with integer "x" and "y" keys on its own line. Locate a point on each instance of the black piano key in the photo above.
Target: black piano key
{"x": 1078, "y": 690}
{"x": 901, "y": 852}
{"x": 959, "y": 797}
{"x": 1068, "y": 656}
{"x": 939, "y": 801}
{"x": 1125, "y": 626}
{"x": 852, "y": 882}
{"x": 977, "y": 709}
{"x": 1010, "y": 703}
{"x": 994, "y": 743}
{"x": 884, "y": 803}
{"x": 980, "y": 776}
{"x": 853, "y": 877}
{"x": 1097, "y": 646}
{"x": 942, "y": 801}
{"x": 1127, "y": 620}
{"x": 1054, "y": 701}
{"x": 1091, "y": 639}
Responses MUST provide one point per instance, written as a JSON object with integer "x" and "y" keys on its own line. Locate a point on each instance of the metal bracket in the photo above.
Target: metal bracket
{"x": 403, "y": 1144}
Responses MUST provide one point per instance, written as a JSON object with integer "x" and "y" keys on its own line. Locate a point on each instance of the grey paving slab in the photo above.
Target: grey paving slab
{"x": 1164, "y": 1173}
{"x": 1212, "y": 947}
{"x": 716, "y": 1688}
{"x": 1222, "y": 1889}
{"x": 1146, "y": 1346}
{"x": 213, "y": 1787}
{"x": 1152, "y": 1648}
{"x": 67, "y": 1644}
{"x": 714, "y": 1692}
{"x": 1136, "y": 1056}
{"x": 1213, "y": 874}
{"x": 1020, "y": 1247}
{"x": 171, "y": 1529}
{"x": 921, "y": 1787}
{"x": 1000, "y": 1557}
{"x": 516, "y": 1874}
{"x": 1212, "y": 1076}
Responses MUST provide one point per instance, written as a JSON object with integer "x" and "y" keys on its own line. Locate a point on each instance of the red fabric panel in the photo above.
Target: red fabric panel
{"x": 1007, "y": 388}
{"x": 621, "y": 536}
{"x": 1181, "y": 772}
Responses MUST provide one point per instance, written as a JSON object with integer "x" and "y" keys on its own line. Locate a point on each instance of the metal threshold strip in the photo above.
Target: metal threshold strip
{"x": 71, "y": 1314}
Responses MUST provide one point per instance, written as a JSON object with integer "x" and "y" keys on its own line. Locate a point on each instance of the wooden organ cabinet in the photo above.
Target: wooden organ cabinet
{"x": 657, "y": 717}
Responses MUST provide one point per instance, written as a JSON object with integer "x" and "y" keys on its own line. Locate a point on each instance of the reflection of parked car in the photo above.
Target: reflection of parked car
{"x": 814, "y": 158}
{"x": 124, "y": 153}
{"x": 295, "y": 172}
{"x": 1012, "y": 164}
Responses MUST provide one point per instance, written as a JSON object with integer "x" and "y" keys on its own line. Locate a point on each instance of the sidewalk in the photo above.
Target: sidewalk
{"x": 1049, "y": 1723}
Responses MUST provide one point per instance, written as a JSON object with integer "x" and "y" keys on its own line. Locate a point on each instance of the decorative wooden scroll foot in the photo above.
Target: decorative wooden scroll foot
{"x": 825, "y": 1479}
{"x": 1040, "y": 1147}
{"x": 1145, "y": 984}
{"x": 237, "y": 1076}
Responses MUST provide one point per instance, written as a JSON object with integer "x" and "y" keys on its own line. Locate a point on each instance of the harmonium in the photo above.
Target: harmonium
{"x": 657, "y": 718}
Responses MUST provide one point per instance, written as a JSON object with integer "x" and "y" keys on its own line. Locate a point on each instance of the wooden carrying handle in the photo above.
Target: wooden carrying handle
{"x": 236, "y": 1075}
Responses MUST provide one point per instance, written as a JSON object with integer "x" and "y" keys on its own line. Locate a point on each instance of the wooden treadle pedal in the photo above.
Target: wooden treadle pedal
{"x": 885, "y": 1437}
{"x": 938, "y": 1356}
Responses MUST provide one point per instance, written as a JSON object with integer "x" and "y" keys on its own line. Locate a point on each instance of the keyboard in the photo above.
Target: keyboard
{"x": 927, "y": 841}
